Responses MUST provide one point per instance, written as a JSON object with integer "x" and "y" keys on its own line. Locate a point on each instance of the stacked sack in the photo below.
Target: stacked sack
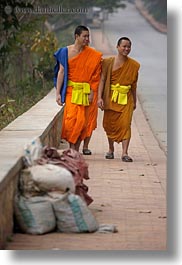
{"x": 46, "y": 199}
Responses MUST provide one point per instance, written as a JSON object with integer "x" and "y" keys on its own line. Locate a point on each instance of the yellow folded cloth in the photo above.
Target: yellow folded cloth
{"x": 120, "y": 93}
{"x": 80, "y": 93}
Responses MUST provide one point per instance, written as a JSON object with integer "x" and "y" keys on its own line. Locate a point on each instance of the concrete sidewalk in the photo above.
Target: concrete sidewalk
{"x": 130, "y": 195}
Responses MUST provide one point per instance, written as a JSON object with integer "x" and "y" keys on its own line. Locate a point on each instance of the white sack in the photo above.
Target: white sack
{"x": 34, "y": 215}
{"x": 73, "y": 215}
{"x": 51, "y": 177}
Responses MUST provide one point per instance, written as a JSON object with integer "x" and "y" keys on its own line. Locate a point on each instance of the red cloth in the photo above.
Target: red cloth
{"x": 74, "y": 162}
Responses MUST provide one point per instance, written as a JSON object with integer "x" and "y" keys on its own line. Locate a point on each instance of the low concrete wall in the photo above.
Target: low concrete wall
{"x": 43, "y": 120}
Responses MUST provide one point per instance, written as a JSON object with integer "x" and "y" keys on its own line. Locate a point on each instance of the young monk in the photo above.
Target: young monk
{"x": 77, "y": 76}
{"x": 117, "y": 97}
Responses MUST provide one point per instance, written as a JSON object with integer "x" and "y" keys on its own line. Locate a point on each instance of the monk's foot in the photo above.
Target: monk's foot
{"x": 86, "y": 152}
{"x": 109, "y": 155}
{"x": 127, "y": 158}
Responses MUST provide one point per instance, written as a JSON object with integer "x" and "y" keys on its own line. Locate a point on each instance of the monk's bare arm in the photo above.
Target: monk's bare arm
{"x": 91, "y": 96}
{"x": 134, "y": 98}
{"x": 100, "y": 101}
{"x": 60, "y": 78}
{"x": 134, "y": 91}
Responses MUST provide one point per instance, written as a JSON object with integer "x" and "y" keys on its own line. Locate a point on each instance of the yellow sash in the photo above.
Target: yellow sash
{"x": 80, "y": 93}
{"x": 120, "y": 93}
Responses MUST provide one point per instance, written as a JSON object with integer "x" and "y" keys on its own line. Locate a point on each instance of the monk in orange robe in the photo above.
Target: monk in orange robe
{"x": 84, "y": 69}
{"x": 117, "y": 97}
{"x": 92, "y": 115}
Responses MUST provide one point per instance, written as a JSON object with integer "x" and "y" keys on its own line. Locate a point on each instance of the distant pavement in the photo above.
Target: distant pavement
{"x": 150, "y": 49}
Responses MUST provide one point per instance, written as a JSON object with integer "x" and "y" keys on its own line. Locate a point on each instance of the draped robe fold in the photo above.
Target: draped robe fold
{"x": 117, "y": 117}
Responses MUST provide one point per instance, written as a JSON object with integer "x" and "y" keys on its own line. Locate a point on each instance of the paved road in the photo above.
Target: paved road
{"x": 150, "y": 49}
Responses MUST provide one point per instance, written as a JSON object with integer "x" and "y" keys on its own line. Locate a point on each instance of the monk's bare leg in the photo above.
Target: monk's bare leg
{"x": 125, "y": 145}
{"x": 110, "y": 154}
{"x": 111, "y": 145}
{"x": 77, "y": 144}
{"x": 86, "y": 142}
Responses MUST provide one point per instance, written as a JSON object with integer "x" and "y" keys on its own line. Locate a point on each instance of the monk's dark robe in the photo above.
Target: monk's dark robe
{"x": 117, "y": 117}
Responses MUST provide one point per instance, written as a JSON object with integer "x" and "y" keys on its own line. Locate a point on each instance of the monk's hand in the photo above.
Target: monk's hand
{"x": 58, "y": 100}
{"x": 91, "y": 96}
{"x": 100, "y": 103}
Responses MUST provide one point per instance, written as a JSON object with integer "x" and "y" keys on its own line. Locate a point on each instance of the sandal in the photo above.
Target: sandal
{"x": 109, "y": 156}
{"x": 126, "y": 158}
{"x": 86, "y": 152}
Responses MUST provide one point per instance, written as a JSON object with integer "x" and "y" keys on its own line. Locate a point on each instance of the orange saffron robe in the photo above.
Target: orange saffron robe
{"x": 117, "y": 117}
{"x": 78, "y": 120}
